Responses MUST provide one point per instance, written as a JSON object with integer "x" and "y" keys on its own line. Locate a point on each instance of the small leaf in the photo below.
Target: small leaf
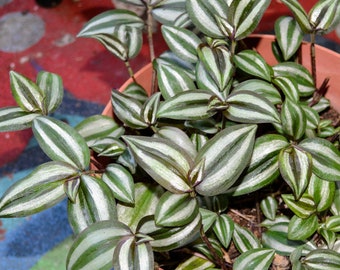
{"x": 244, "y": 239}
{"x": 208, "y": 218}
{"x": 196, "y": 263}
{"x": 137, "y": 92}
{"x": 109, "y": 147}
{"x": 333, "y": 224}
{"x": 168, "y": 12}
{"x": 255, "y": 259}
{"x": 322, "y": 15}
{"x": 288, "y": 86}
{"x": 302, "y": 228}
{"x": 322, "y": 192}
{"x": 329, "y": 236}
{"x": 71, "y": 189}
{"x": 15, "y": 118}
{"x": 150, "y": 108}
{"x": 299, "y": 14}
{"x": 293, "y": 119}
{"x": 312, "y": 116}
{"x": 269, "y": 207}
{"x": 303, "y": 208}
{"x": 143, "y": 256}
{"x": 224, "y": 229}
{"x": 61, "y": 142}
{"x": 325, "y": 259}
{"x": 123, "y": 257}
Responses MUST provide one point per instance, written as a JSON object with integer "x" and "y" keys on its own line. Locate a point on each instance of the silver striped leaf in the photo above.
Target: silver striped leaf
{"x": 163, "y": 160}
{"x": 269, "y": 207}
{"x": 312, "y": 117}
{"x": 39, "y": 190}
{"x": 136, "y": 91}
{"x": 293, "y": 119}
{"x": 71, "y": 188}
{"x": 299, "y": 14}
{"x": 333, "y": 223}
{"x": 150, "y": 108}
{"x": 255, "y": 259}
{"x": 94, "y": 202}
{"x": 323, "y": 14}
{"x": 109, "y": 147}
{"x": 105, "y": 22}
{"x": 250, "y": 107}
{"x": 167, "y": 12}
{"x": 188, "y": 105}
{"x": 61, "y": 142}
{"x": 182, "y": 42}
{"x": 94, "y": 247}
{"x": 15, "y": 118}
{"x": 302, "y": 228}
{"x": 224, "y": 229}
{"x": 195, "y": 262}
{"x": 52, "y": 86}
{"x": 303, "y": 208}
{"x": 226, "y": 155}
{"x": 288, "y": 35}
{"x": 244, "y": 239}
{"x": 26, "y": 93}
{"x": 208, "y": 218}
{"x": 325, "y": 259}
{"x": 326, "y": 158}
{"x": 288, "y": 86}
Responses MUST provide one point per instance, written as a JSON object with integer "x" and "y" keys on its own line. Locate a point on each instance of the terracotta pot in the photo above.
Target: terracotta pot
{"x": 328, "y": 66}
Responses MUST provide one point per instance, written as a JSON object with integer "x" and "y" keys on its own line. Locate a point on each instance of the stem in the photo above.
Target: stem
{"x": 131, "y": 74}
{"x": 312, "y": 55}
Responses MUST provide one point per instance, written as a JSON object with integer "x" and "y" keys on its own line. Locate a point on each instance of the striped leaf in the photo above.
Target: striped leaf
{"x": 128, "y": 110}
{"x": 176, "y": 237}
{"x": 293, "y": 119}
{"x": 150, "y": 108}
{"x": 226, "y": 155}
{"x": 247, "y": 15}
{"x": 199, "y": 140}
{"x": 196, "y": 263}
{"x": 94, "y": 247}
{"x": 312, "y": 116}
{"x": 326, "y": 158}
{"x": 253, "y": 63}
{"x": 329, "y": 236}
{"x": 61, "y": 142}
{"x": 146, "y": 199}
{"x": 143, "y": 257}
{"x": 137, "y": 92}
{"x": 39, "y": 190}
{"x": 188, "y": 105}
{"x": 333, "y": 224}
{"x": 303, "y": 208}
{"x": 261, "y": 87}
{"x": 15, "y": 118}
{"x": 182, "y": 42}
{"x": 288, "y": 86}
{"x": 169, "y": 11}
{"x": 71, "y": 189}
{"x": 335, "y": 208}
{"x": 296, "y": 169}
{"x": 224, "y": 229}
{"x": 268, "y": 223}
{"x": 208, "y": 218}
{"x": 244, "y": 239}
{"x": 302, "y": 228}
{"x": 120, "y": 182}
{"x": 108, "y": 147}
{"x": 299, "y": 14}
{"x": 322, "y": 15}
{"x": 288, "y": 35}
{"x": 172, "y": 80}
{"x": 217, "y": 61}
{"x": 105, "y": 22}
{"x": 255, "y": 259}
{"x": 250, "y": 107}
{"x": 163, "y": 160}
{"x": 203, "y": 14}
{"x": 114, "y": 45}
{"x": 322, "y": 192}
{"x": 203, "y": 249}
{"x": 325, "y": 259}
{"x": 175, "y": 210}
{"x": 97, "y": 127}
{"x": 26, "y": 93}
{"x": 94, "y": 202}
{"x": 269, "y": 207}
{"x": 52, "y": 86}
{"x": 299, "y": 73}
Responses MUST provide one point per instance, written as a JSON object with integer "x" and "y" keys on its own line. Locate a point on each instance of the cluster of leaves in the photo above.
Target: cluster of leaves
{"x": 223, "y": 124}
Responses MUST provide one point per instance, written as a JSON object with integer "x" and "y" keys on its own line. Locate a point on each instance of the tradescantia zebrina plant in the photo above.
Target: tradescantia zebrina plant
{"x": 226, "y": 162}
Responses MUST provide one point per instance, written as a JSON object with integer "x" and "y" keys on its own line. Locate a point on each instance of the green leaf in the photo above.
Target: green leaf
{"x": 105, "y": 22}
{"x": 120, "y": 182}
{"x": 288, "y": 86}
{"x": 269, "y": 207}
{"x": 329, "y": 236}
{"x": 250, "y": 107}
{"x": 128, "y": 110}
{"x": 224, "y": 229}
{"x": 123, "y": 254}
{"x": 150, "y": 108}
{"x": 169, "y": 11}
{"x": 136, "y": 92}
{"x": 293, "y": 119}
{"x": 303, "y": 208}
{"x": 322, "y": 15}
{"x": 196, "y": 263}
{"x": 325, "y": 259}
{"x": 94, "y": 247}
{"x": 226, "y": 155}
{"x": 39, "y": 190}
{"x": 326, "y": 158}
{"x": 296, "y": 169}
{"x": 109, "y": 147}
{"x": 302, "y": 228}
{"x": 208, "y": 218}
{"x": 255, "y": 259}
{"x": 61, "y": 142}
{"x": 163, "y": 160}
{"x": 188, "y": 105}
{"x": 175, "y": 210}
{"x": 146, "y": 199}
{"x": 71, "y": 189}
{"x": 52, "y": 87}
{"x": 244, "y": 239}
{"x": 26, "y": 93}
{"x": 333, "y": 223}
{"x": 253, "y": 63}
{"x": 143, "y": 257}
{"x": 182, "y": 42}
{"x": 312, "y": 116}
{"x": 94, "y": 202}
{"x": 97, "y": 127}
{"x": 288, "y": 35}
{"x": 322, "y": 192}
{"x": 172, "y": 80}
{"x": 15, "y": 118}
{"x": 299, "y": 14}
{"x": 335, "y": 207}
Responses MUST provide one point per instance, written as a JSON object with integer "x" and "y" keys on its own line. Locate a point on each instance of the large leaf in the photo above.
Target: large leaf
{"x": 61, "y": 142}
{"x": 326, "y": 158}
{"x": 15, "y": 118}
{"x": 255, "y": 259}
{"x": 163, "y": 160}
{"x": 325, "y": 259}
{"x": 226, "y": 155}
{"x": 94, "y": 202}
{"x": 94, "y": 247}
{"x": 39, "y": 190}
